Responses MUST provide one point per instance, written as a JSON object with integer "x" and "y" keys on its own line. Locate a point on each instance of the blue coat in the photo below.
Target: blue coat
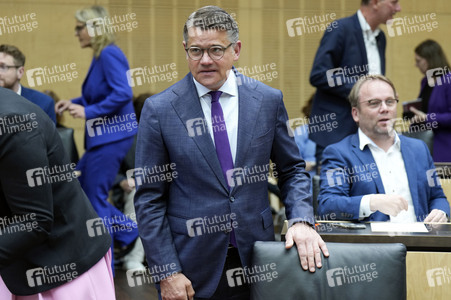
{"x": 343, "y": 197}
{"x": 106, "y": 93}
{"x": 165, "y": 209}
{"x": 42, "y": 100}
{"x": 341, "y": 47}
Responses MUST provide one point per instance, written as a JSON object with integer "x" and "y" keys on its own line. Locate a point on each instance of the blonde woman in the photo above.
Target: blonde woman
{"x": 106, "y": 104}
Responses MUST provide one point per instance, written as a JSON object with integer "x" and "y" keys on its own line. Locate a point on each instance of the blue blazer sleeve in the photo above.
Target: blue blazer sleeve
{"x": 107, "y": 84}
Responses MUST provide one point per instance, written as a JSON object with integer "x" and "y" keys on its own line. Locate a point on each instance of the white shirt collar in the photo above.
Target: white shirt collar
{"x": 366, "y": 28}
{"x": 229, "y": 87}
{"x": 365, "y": 140}
{"x": 19, "y": 90}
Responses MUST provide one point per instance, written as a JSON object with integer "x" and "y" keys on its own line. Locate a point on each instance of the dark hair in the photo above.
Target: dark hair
{"x": 212, "y": 18}
{"x": 19, "y": 58}
{"x": 433, "y": 53}
{"x": 307, "y": 108}
{"x": 365, "y": 2}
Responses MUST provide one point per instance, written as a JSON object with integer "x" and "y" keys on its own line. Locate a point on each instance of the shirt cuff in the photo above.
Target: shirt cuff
{"x": 364, "y": 210}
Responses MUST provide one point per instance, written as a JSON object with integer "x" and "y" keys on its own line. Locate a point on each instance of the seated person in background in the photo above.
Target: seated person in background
{"x": 12, "y": 63}
{"x": 376, "y": 174}
{"x": 66, "y": 133}
{"x": 306, "y": 146}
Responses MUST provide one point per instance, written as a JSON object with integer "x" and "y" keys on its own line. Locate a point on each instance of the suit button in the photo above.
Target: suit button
{"x": 232, "y": 199}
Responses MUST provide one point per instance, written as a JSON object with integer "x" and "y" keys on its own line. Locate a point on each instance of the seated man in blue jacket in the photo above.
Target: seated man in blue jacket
{"x": 12, "y": 63}
{"x": 375, "y": 174}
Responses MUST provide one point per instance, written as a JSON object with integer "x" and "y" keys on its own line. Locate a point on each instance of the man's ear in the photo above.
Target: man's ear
{"x": 237, "y": 50}
{"x": 355, "y": 114}
{"x": 20, "y": 72}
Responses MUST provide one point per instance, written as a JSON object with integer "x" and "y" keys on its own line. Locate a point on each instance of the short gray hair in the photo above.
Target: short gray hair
{"x": 212, "y": 18}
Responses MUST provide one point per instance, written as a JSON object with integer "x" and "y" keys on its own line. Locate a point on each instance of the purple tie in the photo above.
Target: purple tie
{"x": 221, "y": 142}
{"x": 220, "y": 134}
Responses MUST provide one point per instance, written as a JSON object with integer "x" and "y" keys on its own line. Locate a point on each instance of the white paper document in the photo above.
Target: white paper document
{"x": 398, "y": 227}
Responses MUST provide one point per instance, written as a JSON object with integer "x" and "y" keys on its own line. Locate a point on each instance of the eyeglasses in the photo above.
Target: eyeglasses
{"x": 376, "y": 103}
{"x": 79, "y": 28}
{"x": 215, "y": 52}
{"x": 5, "y": 68}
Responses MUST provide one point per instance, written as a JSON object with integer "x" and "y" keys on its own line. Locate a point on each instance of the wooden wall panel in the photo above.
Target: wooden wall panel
{"x": 157, "y": 40}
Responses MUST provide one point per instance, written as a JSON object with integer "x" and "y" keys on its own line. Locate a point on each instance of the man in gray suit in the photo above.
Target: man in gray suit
{"x": 202, "y": 161}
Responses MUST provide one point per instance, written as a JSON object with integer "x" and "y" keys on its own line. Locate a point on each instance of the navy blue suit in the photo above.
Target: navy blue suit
{"x": 165, "y": 209}
{"x": 341, "y": 47}
{"x": 341, "y": 194}
{"x": 110, "y": 128}
{"x": 42, "y": 100}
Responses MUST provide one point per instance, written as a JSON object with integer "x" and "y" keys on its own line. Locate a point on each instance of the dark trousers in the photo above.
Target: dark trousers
{"x": 231, "y": 287}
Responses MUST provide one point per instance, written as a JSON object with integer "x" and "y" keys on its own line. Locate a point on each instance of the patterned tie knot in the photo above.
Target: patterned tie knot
{"x": 215, "y": 95}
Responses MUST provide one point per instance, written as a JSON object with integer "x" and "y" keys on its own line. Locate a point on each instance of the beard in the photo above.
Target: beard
{"x": 7, "y": 85}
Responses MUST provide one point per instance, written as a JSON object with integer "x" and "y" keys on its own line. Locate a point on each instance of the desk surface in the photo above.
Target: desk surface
{"x": 437, "y": 239}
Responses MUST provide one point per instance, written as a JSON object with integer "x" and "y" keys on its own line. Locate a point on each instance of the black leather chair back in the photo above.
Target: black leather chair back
{"x": 352, "y": 271}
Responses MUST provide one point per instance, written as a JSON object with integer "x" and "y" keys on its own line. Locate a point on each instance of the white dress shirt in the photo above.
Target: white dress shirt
{"x": 372, "y": 52}
{"x": 229, "y": 104}
{"x": 19, "y": 90}
{"x": 394, "y": 177}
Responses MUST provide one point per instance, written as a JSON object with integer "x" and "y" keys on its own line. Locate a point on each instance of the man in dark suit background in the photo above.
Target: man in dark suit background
{"x": 353, "y": 48}
{"x": 202, "y": 160}
{"x": 12, "y": 62}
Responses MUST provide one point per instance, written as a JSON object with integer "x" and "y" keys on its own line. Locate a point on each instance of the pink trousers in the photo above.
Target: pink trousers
{"x": 95, "y": 284}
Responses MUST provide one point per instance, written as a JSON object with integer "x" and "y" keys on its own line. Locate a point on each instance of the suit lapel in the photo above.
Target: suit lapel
{"x": 187, "y": 106}
{"x": 249, "y": 107}
{"x": 408, "y": 155}
{"x": 366, "y": 158}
